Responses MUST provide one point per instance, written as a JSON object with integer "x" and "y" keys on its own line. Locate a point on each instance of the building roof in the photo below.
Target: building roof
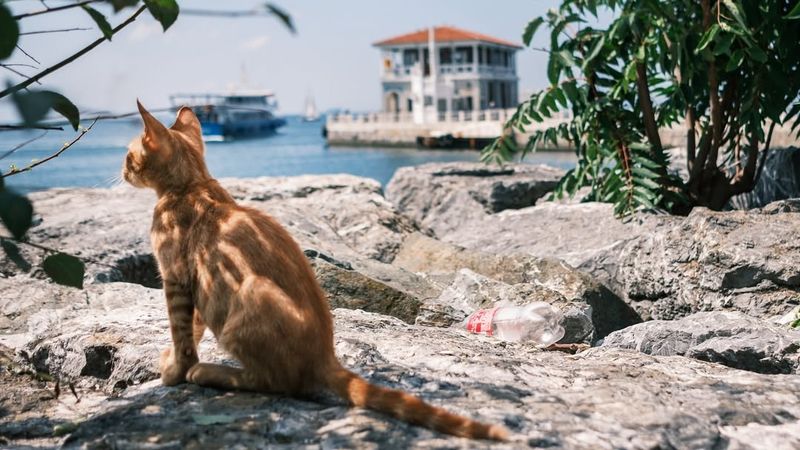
{"x": 443, "y": 34}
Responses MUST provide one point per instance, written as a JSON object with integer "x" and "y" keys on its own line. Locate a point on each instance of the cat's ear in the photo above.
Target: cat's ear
{"x": 187, "y": 122}
{"x": 155, "y": 133}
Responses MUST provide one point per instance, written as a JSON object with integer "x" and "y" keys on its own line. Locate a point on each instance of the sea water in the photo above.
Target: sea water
{"x": 296, "y": 149}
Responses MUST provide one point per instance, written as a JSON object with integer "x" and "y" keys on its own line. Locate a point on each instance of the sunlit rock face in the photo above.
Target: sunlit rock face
{"x": 723, "y": 377}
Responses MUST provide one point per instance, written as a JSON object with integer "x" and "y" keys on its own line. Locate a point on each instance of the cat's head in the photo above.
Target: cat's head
{"x": 166, "y": 159}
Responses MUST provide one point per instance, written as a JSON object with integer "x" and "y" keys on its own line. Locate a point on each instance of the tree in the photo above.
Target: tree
{"x": 33, "y": 105}
{"x": 728, "y": 71}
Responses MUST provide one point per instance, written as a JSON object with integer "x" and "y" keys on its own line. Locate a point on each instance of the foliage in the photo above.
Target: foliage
{"x": 33, "y": 105}
{"x": 726, "y": 71}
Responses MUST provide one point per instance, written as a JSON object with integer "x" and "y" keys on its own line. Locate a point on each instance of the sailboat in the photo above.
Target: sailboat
{"x": 311, "y": 114}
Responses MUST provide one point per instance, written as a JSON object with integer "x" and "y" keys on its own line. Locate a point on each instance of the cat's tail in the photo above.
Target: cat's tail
{"x": 408, "y": 408}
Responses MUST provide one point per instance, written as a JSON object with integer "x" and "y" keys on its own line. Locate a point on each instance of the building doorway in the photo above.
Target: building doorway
{"x": 393, "y": 103}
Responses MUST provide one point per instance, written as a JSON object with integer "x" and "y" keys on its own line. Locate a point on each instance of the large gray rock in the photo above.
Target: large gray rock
{"x": 745, "y": 261}
{"x": 621, "y": 398}
{"x": 349, "y": 288}
{"x": 443, "y": 196}
{"x": 730, "y": 338}
{"x": 342, "y": 215}
{"x": 664, "y": 267}
{"x": 525, "y": 278}
{"x": 586, "y": 236}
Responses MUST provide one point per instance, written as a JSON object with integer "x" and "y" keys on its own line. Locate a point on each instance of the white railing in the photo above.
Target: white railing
{"x": 488, "y": 115}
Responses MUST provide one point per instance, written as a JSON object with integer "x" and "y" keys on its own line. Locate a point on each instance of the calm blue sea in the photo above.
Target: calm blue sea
{"x": 297, "y": 149}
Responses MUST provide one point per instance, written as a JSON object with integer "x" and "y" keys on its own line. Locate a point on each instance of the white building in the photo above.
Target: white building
{"x": 468, "y": 72}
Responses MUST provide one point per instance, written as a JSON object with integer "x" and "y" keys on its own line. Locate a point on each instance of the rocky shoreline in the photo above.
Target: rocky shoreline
{"x": 683, "y": 315}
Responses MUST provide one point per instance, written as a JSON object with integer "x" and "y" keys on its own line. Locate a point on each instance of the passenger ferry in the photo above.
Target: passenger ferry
{"x": 235, "y": 115}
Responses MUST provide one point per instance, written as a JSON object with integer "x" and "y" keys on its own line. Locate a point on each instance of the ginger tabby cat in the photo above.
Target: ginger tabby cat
{"x": 237, "y": 271}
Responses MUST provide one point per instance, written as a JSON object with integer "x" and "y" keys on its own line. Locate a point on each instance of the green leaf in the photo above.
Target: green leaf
{"x": 122, "y": 4}
{"x": 64, "y": 269}
{"x": 530, "y": 30}
{"x": 598, "y": 46}
{"x": 757, "y": 54}
{"x": 16, "y": 212}
{"x": 723, "y": 44}
{"x": 33, "y": 106}
{"x": 736, "y": 60}
{"x": 708, "y": 36}
{"x": 644, "y": 172}
{"x": 553, "y": 68}
{"x": 282, "y": 15}
{"x": 9, "y": 32}
{"x": 736, "y": 11}
{"x": 100, "y": 20}
{"x": 164, "y": 11}
{"x": 795, "y": 12}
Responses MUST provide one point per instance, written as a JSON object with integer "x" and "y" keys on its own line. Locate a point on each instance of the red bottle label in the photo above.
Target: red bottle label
{"x": 481, "y": 321}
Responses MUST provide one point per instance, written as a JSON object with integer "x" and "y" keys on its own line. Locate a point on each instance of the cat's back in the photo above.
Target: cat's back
{"x": 258, "y": 245}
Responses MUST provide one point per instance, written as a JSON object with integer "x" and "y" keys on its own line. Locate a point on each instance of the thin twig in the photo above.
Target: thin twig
{"x": 13, "y": 70}
{"x": 28, "y": 54}
{"x": 216, "y": 13}
{"x": 23, "y": 144}
{"x": 29, "y": 127}
{"x": 20, "y": 65}
{"x": 63, "y": 30}
{"x": 53, "y": 156}
{"x": 72, "y": 58}
{"x": 57, "y": 8}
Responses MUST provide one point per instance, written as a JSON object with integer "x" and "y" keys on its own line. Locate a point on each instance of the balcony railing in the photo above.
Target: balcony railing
{"x": 488, "y": 115}
{"x": 446, "y": 69}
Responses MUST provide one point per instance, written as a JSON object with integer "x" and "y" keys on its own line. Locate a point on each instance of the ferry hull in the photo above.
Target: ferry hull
{"x": 241, "y": 129}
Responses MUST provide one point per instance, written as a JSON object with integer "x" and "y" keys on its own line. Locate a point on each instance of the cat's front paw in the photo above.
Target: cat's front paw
{"x": 173, "y": 372}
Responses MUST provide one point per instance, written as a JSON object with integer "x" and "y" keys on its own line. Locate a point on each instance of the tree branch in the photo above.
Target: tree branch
{"x": 70, "y": 59}
{"x": 690, "y": 138}
{"x": 650, "y": 126}
{"x": 63, "y": 30}
{"x": 28, "y": 54}
{"x": 53, "y": 156}
{"x": 714, "y": 101}
{"x": 23, "y": 144}
{"x": 764, "y": 154}
{"x": 55, "y": 9}
{"x": 26, "y": 127}
{"x": 217, "y": 13}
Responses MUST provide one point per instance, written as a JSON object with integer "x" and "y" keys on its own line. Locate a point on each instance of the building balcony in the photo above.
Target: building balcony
{"x": 405, "y": 73}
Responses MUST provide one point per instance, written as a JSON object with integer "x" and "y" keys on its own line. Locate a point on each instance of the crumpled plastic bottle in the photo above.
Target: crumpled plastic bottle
{"x": 537, "y": 322}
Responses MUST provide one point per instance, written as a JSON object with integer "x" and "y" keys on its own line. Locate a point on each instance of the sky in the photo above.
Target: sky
{"x": 331, "y": 57}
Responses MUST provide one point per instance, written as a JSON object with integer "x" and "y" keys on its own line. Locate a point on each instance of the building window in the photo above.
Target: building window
{"x": 463, "y": 55}
{"x": 480, "y": 54}
{"x": 428, "y": 100}
{"x": 442, "y": 106}
{"x": 410, "y": 56}
{"x": 489, "y": 52}
{"x": 409, "y": 105}
{"x": 445, "y": 55}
